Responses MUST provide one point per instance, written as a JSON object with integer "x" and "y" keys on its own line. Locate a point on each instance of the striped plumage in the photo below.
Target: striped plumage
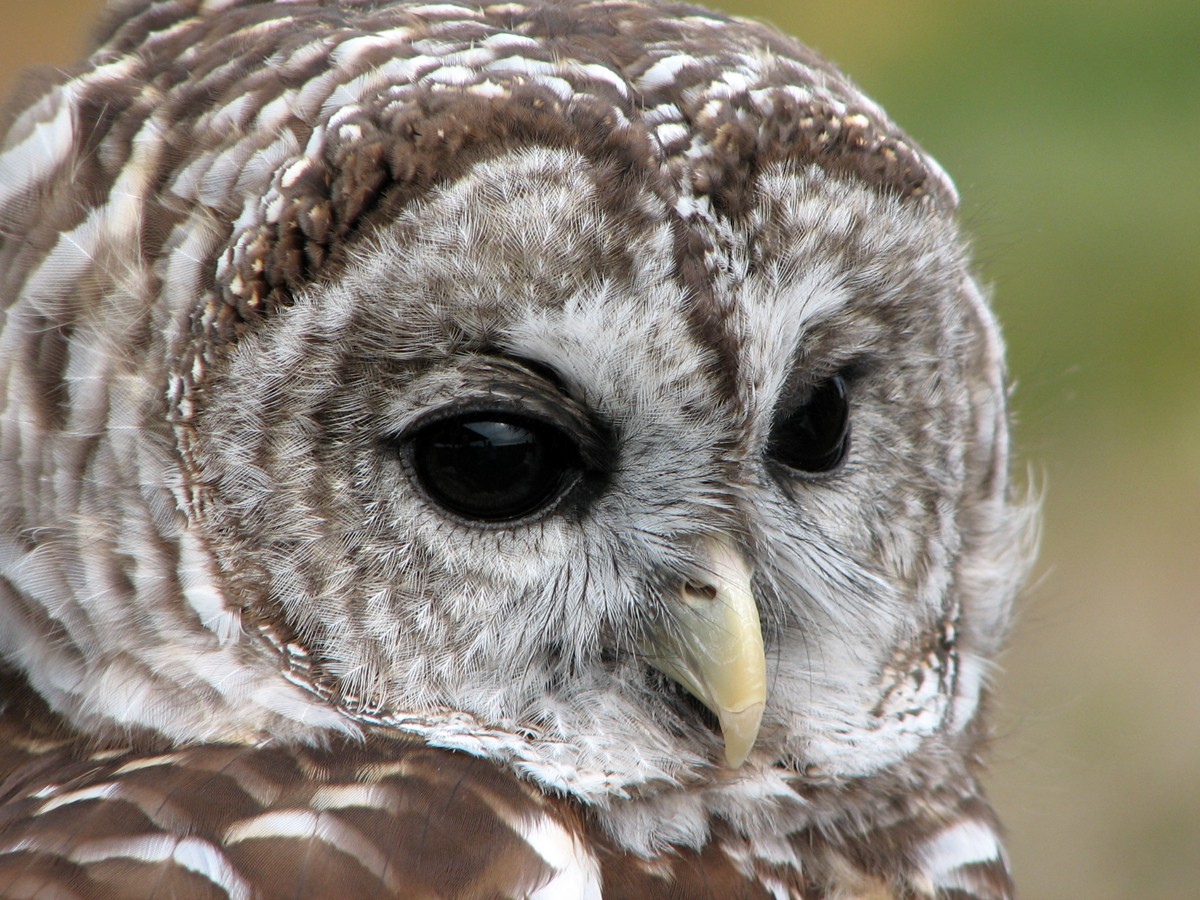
{"x": 392, "y": 817}
{"x": 724, "y": 628}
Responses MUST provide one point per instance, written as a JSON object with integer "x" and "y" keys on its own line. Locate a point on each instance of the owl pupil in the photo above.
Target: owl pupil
{"x": 814, "y": 437}
{"x": 492, "y": 467}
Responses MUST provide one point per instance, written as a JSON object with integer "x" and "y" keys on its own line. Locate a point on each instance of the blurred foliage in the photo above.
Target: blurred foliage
{"x": 1072, "y": 128}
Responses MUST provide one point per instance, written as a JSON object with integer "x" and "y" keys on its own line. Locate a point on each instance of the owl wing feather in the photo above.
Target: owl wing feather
{"x": 387, "y": 818}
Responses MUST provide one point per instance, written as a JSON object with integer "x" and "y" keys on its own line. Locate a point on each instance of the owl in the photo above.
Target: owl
{"x": 548, "y": 449}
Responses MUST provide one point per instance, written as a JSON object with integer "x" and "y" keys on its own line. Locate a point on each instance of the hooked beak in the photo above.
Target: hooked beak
{"x": 712, "y": 645}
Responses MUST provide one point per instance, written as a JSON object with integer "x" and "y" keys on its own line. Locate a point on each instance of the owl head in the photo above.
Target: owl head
{"x": 599, "y": 389}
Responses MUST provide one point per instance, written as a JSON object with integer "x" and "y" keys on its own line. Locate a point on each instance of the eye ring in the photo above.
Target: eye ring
{"x": 814, "y": 438}
{"x": 493, "y": 467}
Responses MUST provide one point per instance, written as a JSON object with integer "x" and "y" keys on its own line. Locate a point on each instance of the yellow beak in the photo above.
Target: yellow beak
{"x": 712, "y": 645}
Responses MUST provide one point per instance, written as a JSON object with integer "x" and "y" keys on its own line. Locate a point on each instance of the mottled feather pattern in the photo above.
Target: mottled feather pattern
{"x": 249, "y": 248}
{"x": 388, "y": 817}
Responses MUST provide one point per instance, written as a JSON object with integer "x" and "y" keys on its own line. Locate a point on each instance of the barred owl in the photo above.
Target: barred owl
{"x": 549, "y": 449}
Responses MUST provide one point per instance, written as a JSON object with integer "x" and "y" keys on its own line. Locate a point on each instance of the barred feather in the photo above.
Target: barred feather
{"x": 248, "y": 248}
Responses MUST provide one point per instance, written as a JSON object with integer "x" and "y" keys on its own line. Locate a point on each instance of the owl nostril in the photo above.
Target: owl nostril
{"x": 696, "y": 591}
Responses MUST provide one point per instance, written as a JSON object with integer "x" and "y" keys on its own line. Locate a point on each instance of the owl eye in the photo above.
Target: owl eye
{"x": 493, "y": 466}
{"x": 814, "y": 437}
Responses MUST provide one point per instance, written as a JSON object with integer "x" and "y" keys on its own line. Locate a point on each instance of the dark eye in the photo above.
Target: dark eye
{"x": 493, "y": 467}
{"x": 814, "y": 437}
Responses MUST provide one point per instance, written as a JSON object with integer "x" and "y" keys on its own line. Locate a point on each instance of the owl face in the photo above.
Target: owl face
{"x": 600, "y": 391}
{"x": 515, "y": 459}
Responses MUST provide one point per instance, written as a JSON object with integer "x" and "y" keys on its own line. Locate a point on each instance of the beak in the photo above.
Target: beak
{"x": 712, "y": 644}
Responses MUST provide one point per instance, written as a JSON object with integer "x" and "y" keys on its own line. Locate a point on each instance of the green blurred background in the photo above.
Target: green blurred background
{"x": 1072, "y": 128}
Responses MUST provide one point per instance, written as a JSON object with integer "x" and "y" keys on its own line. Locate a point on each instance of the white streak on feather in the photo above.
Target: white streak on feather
{"x": 670, "y": 132}
{"x": 233, "y": 116}
{"x": 963, "y": 844}
{"x": 304, "y": 824}
{"x": 191, "y": 853}
{"x": 210, "y": 863}
{"x": 91, "y": 851}
{"x": 450, "y": 75}
{"x": 578, "y": 872}
{"x": 277, "y": 112}
{"x": 197, "y": 578}
{"x": 349, "y": 52}
{"x": 536, "y": 69}
{"x": 93, "y": 792}
{"x": 351, "y": 796}
{"x": 664, "y": 112}
{"x": 49, "y": 143}
{"x": 967, "y": 689}
{"x": 664, "y": 72}
{"x": 259, "y": 168}
{"x": 149, "y": 848}
{"x": 148, "y": 762}
{"x": 294, "y": 172}
{"x": 506, "y": 40}
{"x": 472, "y": 57}
{"x": 444, "y": 11}
{"x": 603, "y": 74}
